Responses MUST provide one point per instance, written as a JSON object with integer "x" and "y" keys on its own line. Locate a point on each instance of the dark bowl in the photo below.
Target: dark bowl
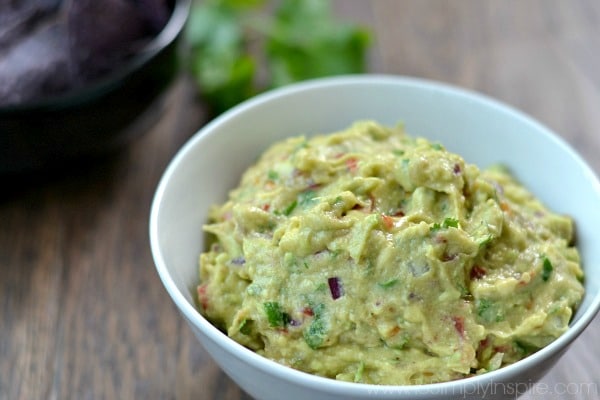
{"x": 97, "y": 118}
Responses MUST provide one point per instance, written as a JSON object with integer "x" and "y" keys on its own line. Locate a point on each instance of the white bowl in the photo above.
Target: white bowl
{"x": 480, "y": 129}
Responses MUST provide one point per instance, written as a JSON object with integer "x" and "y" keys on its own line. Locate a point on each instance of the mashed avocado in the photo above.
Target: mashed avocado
{"x": 371, "y": 256}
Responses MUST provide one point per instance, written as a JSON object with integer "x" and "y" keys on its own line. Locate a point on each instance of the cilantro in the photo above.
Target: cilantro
{"x": 245, "y": 327}
{"x": 524, "y": 348}
{"x": 485, "y": 241}
{"x": 448, "y": 222}
{"x": 388, "y": 284}
{"x": 487, "y": 310}
{"x": 547, "y": 269}
{"x": 305, "y": 41}
{"x": 272, "y": 175}
{"x": 230, "y": 40}
{"x": 321, "y": 287}
{"x": 290, "y": 208}
{"x": 307, "y": 197}
{"x": 276, "y": 316}
{"x": 314, "y": 335}
{"x": 218, "y": 62}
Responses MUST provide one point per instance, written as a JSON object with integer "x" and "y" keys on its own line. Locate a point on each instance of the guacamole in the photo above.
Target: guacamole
{"x": 371, "y": 256}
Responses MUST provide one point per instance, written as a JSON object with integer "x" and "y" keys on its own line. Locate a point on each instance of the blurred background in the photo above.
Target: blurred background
{"x": 82, "y": 311}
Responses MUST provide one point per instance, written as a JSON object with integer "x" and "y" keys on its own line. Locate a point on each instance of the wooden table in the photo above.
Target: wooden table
{"x": 83, "y": 314}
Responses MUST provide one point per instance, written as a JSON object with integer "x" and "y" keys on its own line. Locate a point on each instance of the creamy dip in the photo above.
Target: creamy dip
{"x": 371, "y": 256}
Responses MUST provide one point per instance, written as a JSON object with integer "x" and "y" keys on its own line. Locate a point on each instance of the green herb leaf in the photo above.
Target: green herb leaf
{"x": 547, "y": 269}
{"x": 245, "y": 327}
{"x": 322, "y": 287}
{"x": 305, "y": 41}
{"x": 448, "y": 222}
{"x": 276, "y": 316}
{"x": 290, "y": 208}
{"x": 524, "y": 348}
{"x": 388, "y": 284}
{"x": 307, "y": 197}
{"x": 316, "y": 332}
{"x": 223, "y": 70}
{"x": 488, "y": 311}
{"x": 300, "y": 40}
{"x": 485, "y": 241}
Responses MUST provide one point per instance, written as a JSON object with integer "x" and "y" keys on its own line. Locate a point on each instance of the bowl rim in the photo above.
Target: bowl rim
{"x": 109, "y": 81}
{"x": 331, "y": 385}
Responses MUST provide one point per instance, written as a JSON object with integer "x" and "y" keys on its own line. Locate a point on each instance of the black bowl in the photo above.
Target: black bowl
{"x": 98, "y": 118}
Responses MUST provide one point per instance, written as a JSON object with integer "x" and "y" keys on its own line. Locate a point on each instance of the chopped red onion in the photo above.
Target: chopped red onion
{"x": 335, "y": 287}
{"x": 238, "y": 260}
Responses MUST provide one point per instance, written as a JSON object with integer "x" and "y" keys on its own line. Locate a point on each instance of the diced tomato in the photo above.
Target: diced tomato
{"x": 484, "y": 343}
{"x": 388, "y": 221}
{"x": 351, "y": 164}
{"x": 203, "y": 296}
{"x": 501, "y": 349}
{"x": 308, "y": 311}
{"x": 459, "y": 325}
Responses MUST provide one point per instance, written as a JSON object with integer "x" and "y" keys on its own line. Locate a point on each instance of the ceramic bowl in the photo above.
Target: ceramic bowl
{"x": 482, "y": 130}
{"x": 96, "y": 118}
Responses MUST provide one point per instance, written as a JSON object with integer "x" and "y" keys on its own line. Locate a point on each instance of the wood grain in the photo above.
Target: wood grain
{"x": 83, "y": 314}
